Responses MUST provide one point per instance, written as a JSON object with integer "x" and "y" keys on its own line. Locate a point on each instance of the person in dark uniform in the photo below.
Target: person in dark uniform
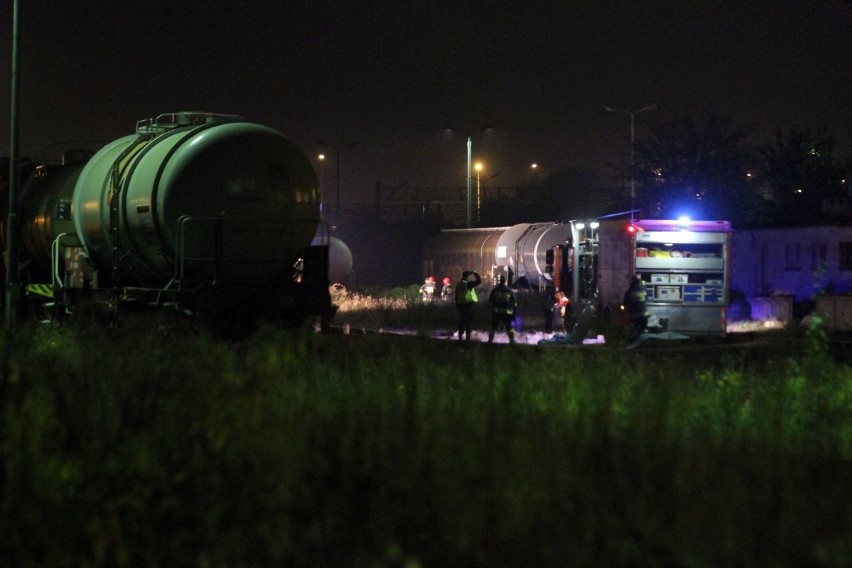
{"x": 447, "y": 289}
{"x": 635, "y": 298}
{"x": 427, "y": 290}
{"x": 466, "y": 299}
{"x": 503, "y": 306}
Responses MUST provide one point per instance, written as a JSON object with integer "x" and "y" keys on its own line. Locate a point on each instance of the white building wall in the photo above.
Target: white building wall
{"x": 764, "y": 261}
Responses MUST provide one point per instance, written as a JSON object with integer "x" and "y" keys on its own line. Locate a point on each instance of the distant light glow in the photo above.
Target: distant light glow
{"x": 594, "y": 224}
{"x": 580, "y": 226}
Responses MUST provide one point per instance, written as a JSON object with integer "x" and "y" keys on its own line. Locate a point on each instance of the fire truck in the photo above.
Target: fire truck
{"x": 684, "y": 264}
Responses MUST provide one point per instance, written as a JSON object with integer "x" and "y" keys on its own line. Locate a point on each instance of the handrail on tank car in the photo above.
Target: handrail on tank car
{"x": 54, "y": 260}
{"x": 171, "y": 120}
{"x": 56, "y": 277}
{"x": 516, "y": 253}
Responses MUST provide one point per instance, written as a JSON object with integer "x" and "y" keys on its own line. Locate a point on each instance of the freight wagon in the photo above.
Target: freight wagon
{"x": 199, "y": 211}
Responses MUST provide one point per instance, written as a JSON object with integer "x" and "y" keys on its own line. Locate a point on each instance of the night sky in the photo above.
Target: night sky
{"x": 393, "y": 76}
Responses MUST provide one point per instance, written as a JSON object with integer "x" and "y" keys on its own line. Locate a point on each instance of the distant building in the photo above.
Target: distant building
{"x": 793, "y": 261}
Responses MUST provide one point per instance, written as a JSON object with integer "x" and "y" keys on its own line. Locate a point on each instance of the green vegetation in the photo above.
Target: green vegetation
{"x": 156, "y": 444}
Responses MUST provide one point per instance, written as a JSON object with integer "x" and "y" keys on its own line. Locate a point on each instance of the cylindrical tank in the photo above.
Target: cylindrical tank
{"x": 339, "y": 259}
{"x": 526, "y": 245}
{"x": 453, "y": 251}
{"x": 45, "y": 211}
{"x": 215, "y": 196}
{"x": 521, "y": 247}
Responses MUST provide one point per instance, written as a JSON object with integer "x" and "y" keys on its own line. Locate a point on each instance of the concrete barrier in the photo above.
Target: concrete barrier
{"x": 837, "y": 311}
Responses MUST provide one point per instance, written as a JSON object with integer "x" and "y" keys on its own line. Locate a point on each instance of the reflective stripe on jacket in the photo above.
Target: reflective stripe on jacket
{"x": 502, "y": 300}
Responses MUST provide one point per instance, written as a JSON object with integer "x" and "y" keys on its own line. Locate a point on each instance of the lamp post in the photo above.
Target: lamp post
{"x": 470, "y": 134}
{"x": 321, "y": 159}
{"x": 632, "y": 116}
{"x": 336, "y": 149}
{"x": 478, "y": 168}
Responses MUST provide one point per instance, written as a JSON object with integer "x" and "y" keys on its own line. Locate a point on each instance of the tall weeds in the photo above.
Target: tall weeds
{"x": 159, "y": 445}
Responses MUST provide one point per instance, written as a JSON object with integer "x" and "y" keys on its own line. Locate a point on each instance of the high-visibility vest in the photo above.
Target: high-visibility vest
{"x": 465, "y": 294}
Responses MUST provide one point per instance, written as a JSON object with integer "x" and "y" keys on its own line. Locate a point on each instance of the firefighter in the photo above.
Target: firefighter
{"x": 446, "y": 289}
{"x": 427, "y": 290}
{"x": 466, "y": 299}
{"x": 503, "y": 307}
{"x": 561, "y": 311}
{"x": 635, "y": 298}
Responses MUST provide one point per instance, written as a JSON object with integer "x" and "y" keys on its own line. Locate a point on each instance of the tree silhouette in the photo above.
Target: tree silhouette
{"x": 698, "y": 168}
{"x": 800, "y": 171}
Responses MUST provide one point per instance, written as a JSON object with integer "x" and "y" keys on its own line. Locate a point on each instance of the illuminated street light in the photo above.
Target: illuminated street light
{"x": 470, "y": 134}
{"x": 632, "y": 116}
{"x": 321, "y": 159}
{"x": 478, "y": 168}
{"x": 336, "y": 149}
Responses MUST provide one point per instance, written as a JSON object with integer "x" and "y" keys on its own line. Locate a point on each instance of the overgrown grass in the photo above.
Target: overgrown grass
{"x": 160, "y": 445}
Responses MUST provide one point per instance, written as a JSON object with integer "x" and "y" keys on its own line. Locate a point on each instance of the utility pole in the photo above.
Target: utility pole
{"x": 336, "y": 149}
{"x": 632, "y": 116}
{"x": 469, "y": 134}
{"x": 12, "y": 224}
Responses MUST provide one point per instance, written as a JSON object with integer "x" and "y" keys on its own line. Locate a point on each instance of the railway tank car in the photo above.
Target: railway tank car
{"x": 340, "y": 261}
{"x": 202, "y": 211}
{"x": 519, "y": 252}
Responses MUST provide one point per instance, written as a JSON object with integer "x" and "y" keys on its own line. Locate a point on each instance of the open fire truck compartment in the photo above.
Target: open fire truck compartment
{"x": 685, "y": 266}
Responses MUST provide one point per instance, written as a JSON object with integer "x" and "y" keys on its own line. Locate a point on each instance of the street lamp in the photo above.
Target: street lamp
{"x": 321, "y": 159}
{"x": 470, "y": 134}
{"x": 478, "y": 168}
{"x": 336, "y": 149}
{"x": 632, "y": 116}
